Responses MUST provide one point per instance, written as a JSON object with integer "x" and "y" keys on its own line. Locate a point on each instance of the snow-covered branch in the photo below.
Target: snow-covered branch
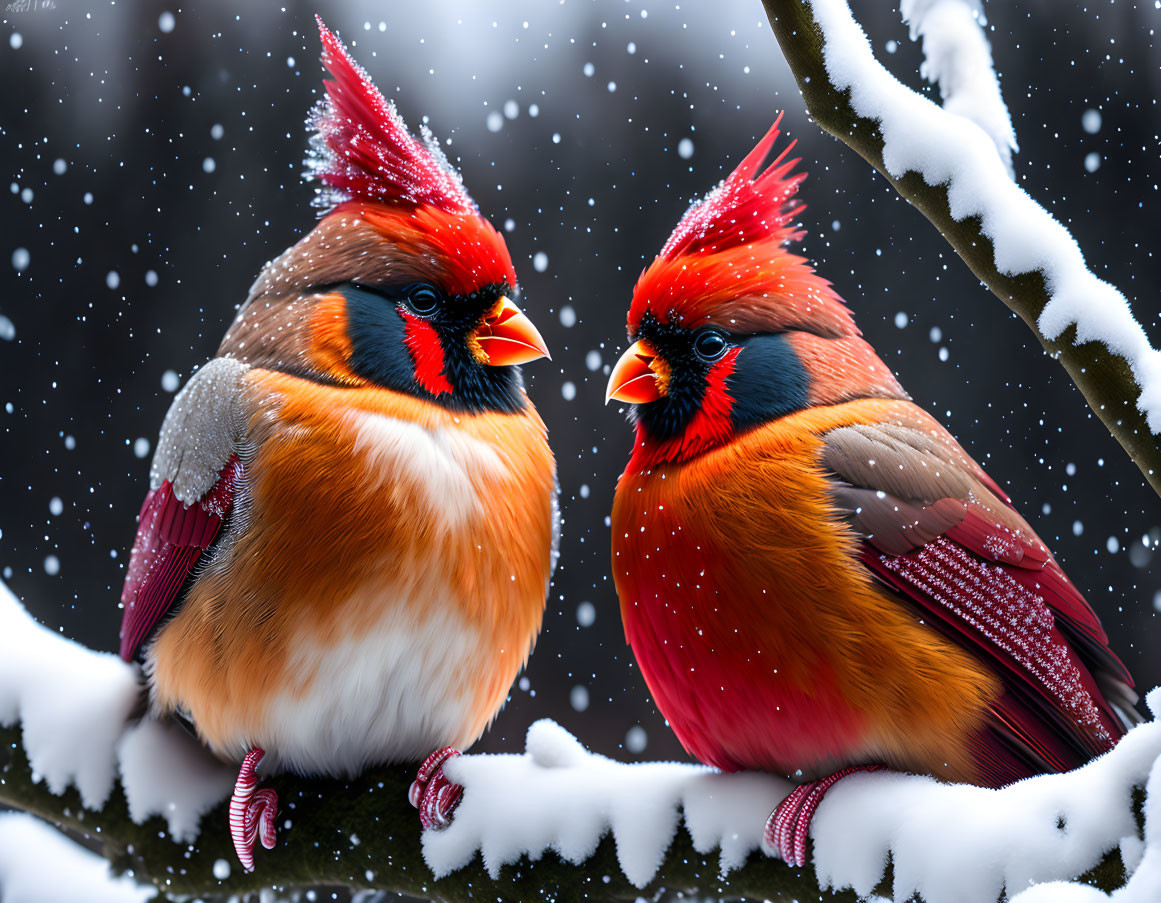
{"x": 556, "y": 821}
{"x": 948, "y": 167}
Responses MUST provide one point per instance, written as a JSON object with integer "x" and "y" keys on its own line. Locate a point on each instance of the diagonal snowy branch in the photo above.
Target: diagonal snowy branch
{"x": 946, "y": 166}
{"x": 958, "y": 59}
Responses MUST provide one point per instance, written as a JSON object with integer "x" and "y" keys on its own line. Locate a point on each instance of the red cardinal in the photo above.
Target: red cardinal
{"x": 344, "y": 555}
{"x": 814, "y": 576}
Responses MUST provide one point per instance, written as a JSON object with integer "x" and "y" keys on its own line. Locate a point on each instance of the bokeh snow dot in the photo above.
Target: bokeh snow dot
{"x": 52, "y": 568}
{"x": 568, "y": 316}
{"x": 511, "y": 109}
{"x": 494, "y": 121}
{"x": 221, "y": 869}
{"x": 586, "y": 614}
{"x": 579, "y": 698}
{"x": 540, "y": 261}
{"x": 901, "y": 320}
{"x": 141, "y": 446}
{"x": 7, "y": 329}
{"x": 636, "y": 739}
{"x": 685, "y": 148}
{"x": 216, "y": 131}
{"x": 20, "y": 259}
{"x": 112, "y": 279}
{"x": 170, "y": 381}
{"x": 16, "y": 40}
{"x": 55, "y": 506}
{"x": 593, "y": 360}
{"x": 1092, "y": 162}
{"x": 59, "y": 166}
{"x": 568, "y": 390}
{"x": 209, "y": 164}
{"x": 166, "y": 21}
{"x": 151, "y": 278}
{"x": 1091, "y": 121}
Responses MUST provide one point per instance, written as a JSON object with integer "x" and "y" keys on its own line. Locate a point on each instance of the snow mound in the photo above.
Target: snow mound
{"x": 953, "y": 150}
{"x": 952, "y": 843}
{"x": 957, "y": 58}
{"x": 558, "y": 796}
{"x": 75, "y": 707}
{"x": 947, "y": 843}
{"x": 38, "y": 864}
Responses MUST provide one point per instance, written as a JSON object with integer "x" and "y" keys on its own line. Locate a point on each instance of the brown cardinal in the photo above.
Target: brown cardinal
{"x": 344, "y": 555}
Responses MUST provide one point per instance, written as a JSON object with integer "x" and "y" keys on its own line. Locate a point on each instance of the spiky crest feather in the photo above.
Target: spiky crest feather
{"x": 726, "y": 262}
{"x": 361, "y": 148}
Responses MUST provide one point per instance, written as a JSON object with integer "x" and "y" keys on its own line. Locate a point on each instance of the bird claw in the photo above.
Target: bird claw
{"x": 252, "y": 813}
{"x": 788, "y": 826}
{"x": 432, "y": 793}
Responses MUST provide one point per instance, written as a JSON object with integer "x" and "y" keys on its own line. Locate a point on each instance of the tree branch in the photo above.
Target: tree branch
{"x": 1103, "y": 376}
{"x": 377, "y": 847}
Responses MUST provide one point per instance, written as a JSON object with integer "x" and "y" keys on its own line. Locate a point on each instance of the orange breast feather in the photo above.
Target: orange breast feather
{"x": 360, "y": 499}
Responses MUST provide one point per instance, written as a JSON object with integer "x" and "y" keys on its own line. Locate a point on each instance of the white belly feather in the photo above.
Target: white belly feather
{"x": 407, "y": 685}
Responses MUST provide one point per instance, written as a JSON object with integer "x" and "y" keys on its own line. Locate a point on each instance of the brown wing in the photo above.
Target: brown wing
{"x": 943, "y": 536}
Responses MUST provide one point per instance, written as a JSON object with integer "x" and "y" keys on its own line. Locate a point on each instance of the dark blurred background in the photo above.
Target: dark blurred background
{"x": 153, "y": 155}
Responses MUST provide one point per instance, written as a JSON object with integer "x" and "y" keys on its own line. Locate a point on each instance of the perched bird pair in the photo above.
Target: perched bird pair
{"x": 344, "y": 555}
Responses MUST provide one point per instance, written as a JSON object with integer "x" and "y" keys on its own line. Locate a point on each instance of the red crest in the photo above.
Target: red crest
{"x": 361, "y": 148}
{"x": 726, "y": 261}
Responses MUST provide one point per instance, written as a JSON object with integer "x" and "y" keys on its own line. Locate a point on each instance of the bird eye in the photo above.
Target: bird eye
{"x": 422, "y": 298}
{"x": 709, "y": 345}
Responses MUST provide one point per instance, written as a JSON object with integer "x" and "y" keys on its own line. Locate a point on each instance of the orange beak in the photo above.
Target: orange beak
{"x": 507, "y": 337}
{"x": 634, "y": 379}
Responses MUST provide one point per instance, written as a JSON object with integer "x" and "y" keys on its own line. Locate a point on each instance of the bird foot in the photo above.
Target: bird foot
{"x": 789, "y": 824}
{"x": 432, "y": 793}
{"x": 252, "y": 812}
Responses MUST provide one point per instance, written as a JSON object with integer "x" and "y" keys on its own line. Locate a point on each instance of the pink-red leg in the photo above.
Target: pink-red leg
{"x": 252, "y": 812}
{"x": 432, "y": 793}
{"x": 789, "y": 824}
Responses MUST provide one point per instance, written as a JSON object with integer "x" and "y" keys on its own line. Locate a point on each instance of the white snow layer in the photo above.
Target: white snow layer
{"x": 946, "y": 149}
{"x": 957, "y": 58}
{"x": 558, "y": 796}
{"x": 38, "y": 864}
{"x": 947, "y": 843}
{"x": 75, "y": 707}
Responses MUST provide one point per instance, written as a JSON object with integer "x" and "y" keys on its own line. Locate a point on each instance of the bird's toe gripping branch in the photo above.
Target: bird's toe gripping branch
{"x": 252, "y": 812}
{"x": 432, "y": 793}
{"x": 789, "y": 824}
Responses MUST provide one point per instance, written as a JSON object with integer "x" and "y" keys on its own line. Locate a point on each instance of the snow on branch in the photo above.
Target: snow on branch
{"x": 555, "y": 821}
{"x": 947, "y": 166}
{"x": 956, "y": 57}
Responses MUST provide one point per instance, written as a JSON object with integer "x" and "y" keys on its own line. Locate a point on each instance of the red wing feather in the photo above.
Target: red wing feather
{"x": 171, "y": 537}
{"x": 1052, "y": 709}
